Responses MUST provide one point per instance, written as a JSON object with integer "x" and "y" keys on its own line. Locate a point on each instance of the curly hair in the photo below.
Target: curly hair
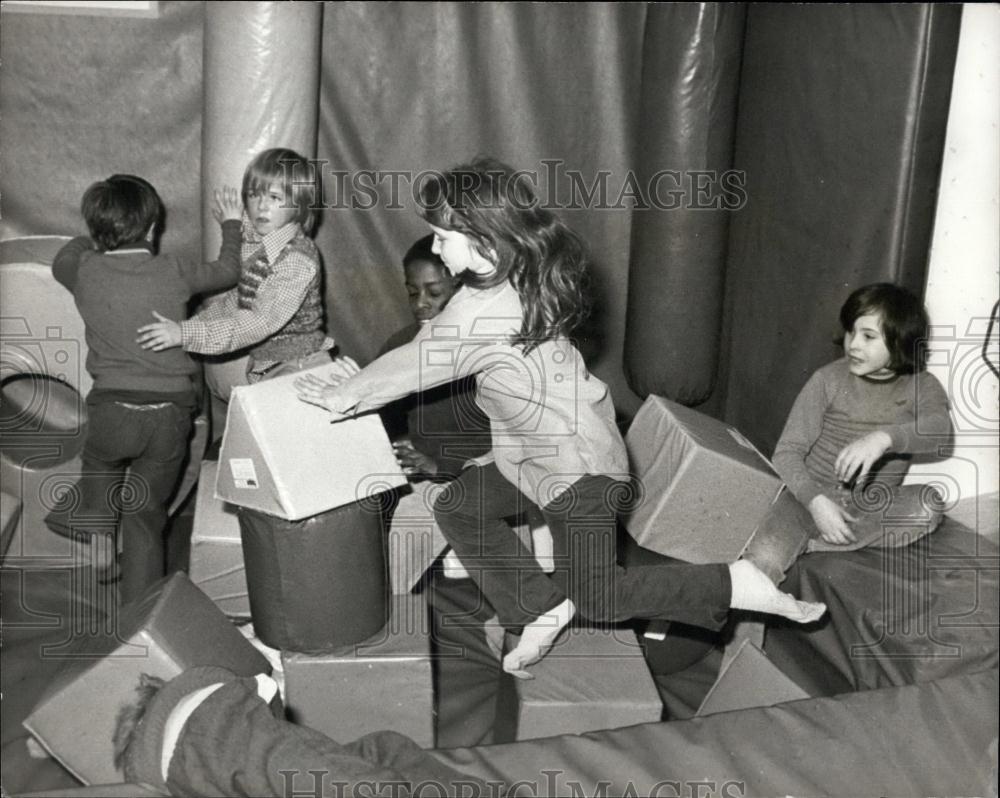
{"x": 544, "y": 260}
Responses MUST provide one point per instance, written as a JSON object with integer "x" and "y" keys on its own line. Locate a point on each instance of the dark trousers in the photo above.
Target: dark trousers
{"x": 583, "y": 524}
{"x": 131, "y": 461}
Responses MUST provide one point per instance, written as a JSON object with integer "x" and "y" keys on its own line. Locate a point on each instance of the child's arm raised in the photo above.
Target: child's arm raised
{"x": 67, "y": 260}
{"x": 165, "y": 333}
{"x": 224, "y": 272}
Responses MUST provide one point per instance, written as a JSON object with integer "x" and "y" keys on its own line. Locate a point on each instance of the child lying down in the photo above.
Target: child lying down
{"x": 209, "y": 732}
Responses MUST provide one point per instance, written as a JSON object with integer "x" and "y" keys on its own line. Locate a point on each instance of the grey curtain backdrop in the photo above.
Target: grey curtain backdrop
{"x": 735, "y": 169}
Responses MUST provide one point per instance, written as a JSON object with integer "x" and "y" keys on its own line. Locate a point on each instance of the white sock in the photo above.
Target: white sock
{"x": 753, "y": 590}
{"x": 537, "y": 638}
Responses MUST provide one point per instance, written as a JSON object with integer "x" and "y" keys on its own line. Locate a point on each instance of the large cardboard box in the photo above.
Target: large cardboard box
{"x": 383, "y": 683}
{"x": 287, "y": 458}
{"x": 173, "y": 627}
{"x": 705, "y": 488}
{"x": 216, "y": 559}
{"x": 593, "y": 678}
{"x": 748, "y": 680}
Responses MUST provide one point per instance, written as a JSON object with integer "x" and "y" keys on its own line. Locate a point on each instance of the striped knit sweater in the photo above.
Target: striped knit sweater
{"x": 303, "y": 334}
{"x": 836, "y": 407}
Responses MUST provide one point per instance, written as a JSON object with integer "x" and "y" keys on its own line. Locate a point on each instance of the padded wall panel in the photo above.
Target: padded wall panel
{"x": 691, "y": 68}
{"x": 85, "y": 96}
{"x": 410, "y": 87}
{"x": 842, "y": 118}
{"x": 261, "y": 91}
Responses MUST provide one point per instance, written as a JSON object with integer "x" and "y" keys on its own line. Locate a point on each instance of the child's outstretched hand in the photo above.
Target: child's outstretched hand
{"x": 314, "y": 391}
{"x": 832, "y": 520}
{"x": 228, "y": 205}
{"x": 344, "y": 367}
{"x": 162, "y": 334}
{"x": 857, "y": 458}
{"x": 413, "y": 462}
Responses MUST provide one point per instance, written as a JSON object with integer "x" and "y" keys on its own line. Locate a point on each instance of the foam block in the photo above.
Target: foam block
{"x": 706, "y": 489}
{"x": 173, "y": 627}
{"x": 287, "y": 458}
{"x": 748, "y": 680}
{"x": 216, "y": 563}
{"x": 594, "y": 678}
{"x": 415, "y": 540}
{"x": 383, "y": 683}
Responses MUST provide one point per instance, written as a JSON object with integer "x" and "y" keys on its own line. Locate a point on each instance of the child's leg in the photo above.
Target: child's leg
{"x": 321, "y": 358}
{"x": 152, "y": 479}
{"x": 900, "y": 516}
{"x": 889, "y": 517}
{"x": 89, "y": 511}
{"x": 781, "y": 538}
{"x": 584, "y": 526}
{"x": 471, "y": 513}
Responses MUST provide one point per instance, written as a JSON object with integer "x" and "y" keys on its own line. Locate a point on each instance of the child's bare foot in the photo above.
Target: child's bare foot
{"x": 537, "y": 638}
{"x": 753, "y": 590}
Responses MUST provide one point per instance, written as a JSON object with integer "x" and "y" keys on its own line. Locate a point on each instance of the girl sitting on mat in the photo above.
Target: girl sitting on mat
{"x": 849, "y": 438}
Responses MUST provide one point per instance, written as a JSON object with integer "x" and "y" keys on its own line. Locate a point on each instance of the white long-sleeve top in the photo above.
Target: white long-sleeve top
{"x": 551, "y": 421}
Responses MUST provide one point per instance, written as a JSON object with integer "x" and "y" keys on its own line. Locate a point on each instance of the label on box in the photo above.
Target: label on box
{"x": 244, "y": 474}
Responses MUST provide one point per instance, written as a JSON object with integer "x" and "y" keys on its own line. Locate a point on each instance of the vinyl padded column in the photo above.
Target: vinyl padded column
{"x": 261, "y": 67}
{"x": 690, "y": 80}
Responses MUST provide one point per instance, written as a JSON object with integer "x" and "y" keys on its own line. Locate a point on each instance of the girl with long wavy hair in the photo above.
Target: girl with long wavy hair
{"x": 555, "y": 441}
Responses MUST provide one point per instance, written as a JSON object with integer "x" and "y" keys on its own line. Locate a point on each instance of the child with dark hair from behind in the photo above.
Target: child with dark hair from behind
{"x": 208, "y": 731}
{"x": 850, "y": 436}
{"x": 437, "y": 431}
{"x": 275, "y": 313}
{"x": 141, "y": 405}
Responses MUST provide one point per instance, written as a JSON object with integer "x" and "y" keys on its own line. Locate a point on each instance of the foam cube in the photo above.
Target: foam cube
{"x": 216, "y": 559}
{"x": 287, "y": 458}
{"x": 172, "y": 627}
{"x": 705, "y": 488}
{"x": 748, "y": 680}
{"x": 382, "y": 683}
{"x": 593, "y": 678}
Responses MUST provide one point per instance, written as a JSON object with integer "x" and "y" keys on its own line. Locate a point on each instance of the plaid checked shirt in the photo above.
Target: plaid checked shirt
{"x": 224, "y": 326}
